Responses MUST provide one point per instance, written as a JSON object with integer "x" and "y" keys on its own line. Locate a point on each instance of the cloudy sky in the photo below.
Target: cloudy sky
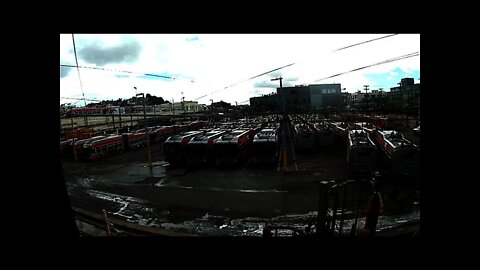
{"x": 218, "y": 66}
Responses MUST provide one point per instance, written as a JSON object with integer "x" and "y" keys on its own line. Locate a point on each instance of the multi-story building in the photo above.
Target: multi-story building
{"x": 346, "y": 100}
{"x": 405, "y": 97}
{"x": 376, "y": 99}
{"x": 306, "y": 98}
{"x": 186, "y": 106}
{"x": 325, "y": 96}
{"x": 294, "y": 99}
{"x": 264, "y": 104}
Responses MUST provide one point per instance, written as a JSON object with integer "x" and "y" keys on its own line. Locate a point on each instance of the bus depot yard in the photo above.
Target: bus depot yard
{"x": 237, "y": 176}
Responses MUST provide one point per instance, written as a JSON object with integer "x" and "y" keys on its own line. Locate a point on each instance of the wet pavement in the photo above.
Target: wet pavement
{"x": 139, "y": 211}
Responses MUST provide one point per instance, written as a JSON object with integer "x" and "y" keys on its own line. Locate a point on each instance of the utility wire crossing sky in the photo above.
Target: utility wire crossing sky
{"x": 212, "y": 66}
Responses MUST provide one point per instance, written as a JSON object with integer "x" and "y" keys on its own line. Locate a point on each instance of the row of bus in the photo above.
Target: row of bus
{"x": 368, "y": 146}
{"x": 195, "y": 143}
{"x": 224, "y": 146}
{"x": 102, "y": 146}
{"x": 309, "y": 136}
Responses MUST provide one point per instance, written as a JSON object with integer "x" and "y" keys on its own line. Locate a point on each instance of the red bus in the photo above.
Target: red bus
{"x": 66, "y": 148}
{"x": 232, "y": 147}
{"x": 103, "y": 147}
{"x": 199, "y": 148}
{"x": 79, "y": 149}
{"x": 161, "y": 134}
{"x": 174, "y": 146}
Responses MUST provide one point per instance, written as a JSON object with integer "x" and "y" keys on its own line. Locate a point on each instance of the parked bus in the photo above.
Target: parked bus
{"x": 232, "y": 148}
{"x": 104, "y": 147}
{"x": 174, "y": 146}
{"x": 341, "y": 130}
{"x": 66, "y": 148}
{"x": 160, "y": 134}
{"x": 265, "y": 147}
{"x": 361, "y": 154}
{"x": 113, "y": 144}
{"x": 304, "y": 138}
{"x": 79, "y": 150}
{"x": 200, "y": 147}
{"x": 325, "y": 136}
{"x": 133, "y": 141}
{"x": 401, "y": 156}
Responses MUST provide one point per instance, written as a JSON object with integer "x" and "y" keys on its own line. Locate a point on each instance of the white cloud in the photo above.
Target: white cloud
{"x": 217, "y": 61}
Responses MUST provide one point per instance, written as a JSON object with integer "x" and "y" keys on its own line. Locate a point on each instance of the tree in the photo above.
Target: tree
{"x": 154, "y": 100}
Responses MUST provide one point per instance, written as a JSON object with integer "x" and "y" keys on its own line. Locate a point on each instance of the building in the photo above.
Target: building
{"x": 376, "y": 99}
{"x": 306, "y": 98}
{"x": 140, "y": 109}
{"x": 325, "y": 96}
{"x": 186, "y": 106}
{"x": 165, "y": 107}
{"x": 294, "y": 99}
{"x": 264, "y": 104}
{"x": 220, "y": 106}
{"x": 405, "y": 97}
{"x": 346, "y": 100}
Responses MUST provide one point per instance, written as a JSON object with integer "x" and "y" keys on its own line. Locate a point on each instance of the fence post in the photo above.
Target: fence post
{"x": 107, "y": 223}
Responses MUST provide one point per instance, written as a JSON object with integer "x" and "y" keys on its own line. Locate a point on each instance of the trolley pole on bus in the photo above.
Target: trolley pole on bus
{"x": 149, "y": 153}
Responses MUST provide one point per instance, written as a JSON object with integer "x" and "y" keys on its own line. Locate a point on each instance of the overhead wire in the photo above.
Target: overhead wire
{"x": 131, "y": 72}
{"x": 342, "y": 48}
{"x": 78, "y": 70}
{"x": 376, "y": 64}
{"x": 231, "y": 85}
{"x": 360, "y": 43}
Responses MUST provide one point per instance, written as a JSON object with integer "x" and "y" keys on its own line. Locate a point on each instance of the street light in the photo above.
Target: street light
{"x": 149, "y": 153}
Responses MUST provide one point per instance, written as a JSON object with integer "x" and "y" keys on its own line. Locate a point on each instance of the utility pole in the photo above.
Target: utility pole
{"x": 73, "y": 142}
{"x": 366, "y": 89}
{"x": 131, "y": 108}
{"x": 381, "y": 101}
{"x": 284, "y": 101}
{"x": 183, "y": 102}
{"x": 149, "y": 153}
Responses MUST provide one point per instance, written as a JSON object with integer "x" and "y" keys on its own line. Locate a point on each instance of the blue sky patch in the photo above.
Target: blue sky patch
{"x": 390, "y": 79}
{"x": 121, "y": 76}
{"x": 192, "y": 38}
{"x": 161, "y": 76}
